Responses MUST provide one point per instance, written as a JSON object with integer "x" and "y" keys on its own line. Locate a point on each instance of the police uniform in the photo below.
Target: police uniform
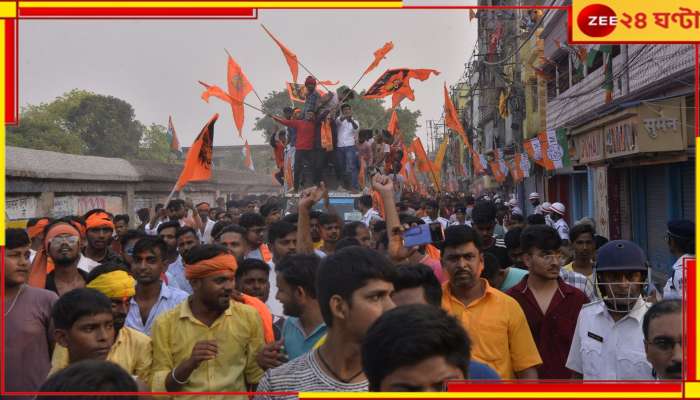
{"x": 674, "y": 285}
{"x": 605, "y": 349}
{"x": 562, "y": 227}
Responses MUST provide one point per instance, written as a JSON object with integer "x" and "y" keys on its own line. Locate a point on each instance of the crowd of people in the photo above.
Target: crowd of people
{"x": 324, "y": 133}
{"x": 267, "y": 299}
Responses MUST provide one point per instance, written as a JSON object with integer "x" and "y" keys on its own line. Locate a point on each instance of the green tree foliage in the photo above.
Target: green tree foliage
{"x": 369, "y": 112}
{"x": 81, "y": 122}
{"x": 107, "y": 126}
{"x": 155, "y": 144}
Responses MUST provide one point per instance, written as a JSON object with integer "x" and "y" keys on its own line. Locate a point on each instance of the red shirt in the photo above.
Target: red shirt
{"x": 305, "y": 132}
{"x": 554, "y": 330}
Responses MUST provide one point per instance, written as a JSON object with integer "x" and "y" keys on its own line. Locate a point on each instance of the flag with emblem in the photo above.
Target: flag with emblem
{"x": 396, "y": 83}
{"x": 533, "y": 147}
{"x": 555, "y": 149}
{"x": 199, "y": 158}
{"x": 238, "y": 88}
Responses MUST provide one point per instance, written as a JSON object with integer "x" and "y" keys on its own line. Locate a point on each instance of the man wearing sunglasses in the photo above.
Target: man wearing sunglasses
{"x": 608, "y": 342}
{"x": 56, "y": 266}
{"x": 663, "y": 339}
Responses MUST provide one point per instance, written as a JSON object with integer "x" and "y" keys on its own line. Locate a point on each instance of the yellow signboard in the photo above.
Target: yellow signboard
{"x": 634, "y": 21}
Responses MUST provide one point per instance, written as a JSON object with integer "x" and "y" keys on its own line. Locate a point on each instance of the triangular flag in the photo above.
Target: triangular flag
{"x": 379, "y": 56}
{"x": 451, "y": 119}
{"x": 291, "y": 58}
{"x": 248, "y": 157}
{"x": 174, "y": 143}
{"x": 440, "y": 157}
{"x": 393, "y": 126}
{"x": 198, "y": 163}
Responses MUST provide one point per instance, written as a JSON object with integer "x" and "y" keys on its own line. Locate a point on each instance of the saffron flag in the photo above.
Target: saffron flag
{"x": 298, "y": 92}
{"x": 379, "y": 56}
{"x": 422, "y": 161}
{"x": 440, "y": 157}
{"x": 478, "y": 161}
{"x": 393, "y": 126}
{"x": 291, "y": 58}
{"x": 451, "y": 119}
{"x": 248, "y": 157}
{"x": 238, "y": 88}
{"x": 198, "y": 163}
{"x": 174, "y": 143}
{"x": 396, "y": 83}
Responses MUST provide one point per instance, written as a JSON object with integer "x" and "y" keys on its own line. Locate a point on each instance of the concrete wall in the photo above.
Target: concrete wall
{"x": 44, "y": 183}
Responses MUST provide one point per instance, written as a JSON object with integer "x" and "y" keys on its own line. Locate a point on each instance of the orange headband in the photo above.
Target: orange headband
{"x": 211, "y": 266}
{"x": 99, "y": 220}
{"x": 59, "y": 229}
{"x": 36, "y": 230}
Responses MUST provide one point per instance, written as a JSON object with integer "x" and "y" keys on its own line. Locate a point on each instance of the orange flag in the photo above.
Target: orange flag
{"x": 396, "y": 82}
{"x": 379, "y": 56}
{"x": 328, "y": 83}
{"x": 198, "y": 163}
{"x": 291, "y": 58}
{"x": 248, "y": 157}
{"x": 451, "y": 119}
{"x": 238, "y": 88}
{"x": 174, "y": 143}
{"x": 422, "y": 161}
{"x": 393, "y": 126}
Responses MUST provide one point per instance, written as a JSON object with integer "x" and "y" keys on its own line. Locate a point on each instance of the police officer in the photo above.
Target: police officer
{"x": 546, "y": 210}
{"x": 680, "y": 238}
{"x": 608, "y": 343}
{"x": 535, "y": 202}
{"x": 558, "y": 223}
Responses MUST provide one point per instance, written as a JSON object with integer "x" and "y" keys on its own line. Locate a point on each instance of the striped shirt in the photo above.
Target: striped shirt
{"x": 303, "y": 374}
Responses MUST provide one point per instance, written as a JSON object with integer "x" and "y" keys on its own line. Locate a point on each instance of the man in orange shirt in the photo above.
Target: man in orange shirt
{"x": 496, "y": 324}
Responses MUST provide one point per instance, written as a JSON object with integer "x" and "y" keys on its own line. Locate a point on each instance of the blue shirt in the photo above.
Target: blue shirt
{"x": 480, "y": 371}
{"x": 176, "y": 276}
{"x": 296, "y": 343}
{"x": 168, "y": 298}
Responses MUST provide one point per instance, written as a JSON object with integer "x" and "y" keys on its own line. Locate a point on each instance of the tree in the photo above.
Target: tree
{"x": 107, "y": 126}
{"x": 370, "y": 113}
{"x": 82, "y": 122}
{"x": 43, "y": 126}
{"x": 155, "y": 145}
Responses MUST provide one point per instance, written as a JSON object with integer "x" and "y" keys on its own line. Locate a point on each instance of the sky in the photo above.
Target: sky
{"x": 155, "y": 65}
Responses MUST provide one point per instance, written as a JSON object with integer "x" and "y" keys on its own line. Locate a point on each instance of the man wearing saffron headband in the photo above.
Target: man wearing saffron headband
{"x": 99, "y": 230}
{"x": 56, "y": 265}
{"x": 209, "y": 342}
{"x": 131, "y": 349}
{"x": 35, "y": 230}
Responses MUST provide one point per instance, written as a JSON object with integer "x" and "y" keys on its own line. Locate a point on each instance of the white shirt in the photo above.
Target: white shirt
{"x": 347, "y": 134}
{"x": 87, "y": 264}
{"x": 457, "y": 223}
{"x": 206, "y": 236}
{"x": 562, "y": 227}
{"x": 538, "y": 209}
{"x": 603, "y": 349}
{"x": 369, "y": 216}
{"x": 272, "y": 303}
{"x": 443, "y": 221}
{"x": 674, "y": 285}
